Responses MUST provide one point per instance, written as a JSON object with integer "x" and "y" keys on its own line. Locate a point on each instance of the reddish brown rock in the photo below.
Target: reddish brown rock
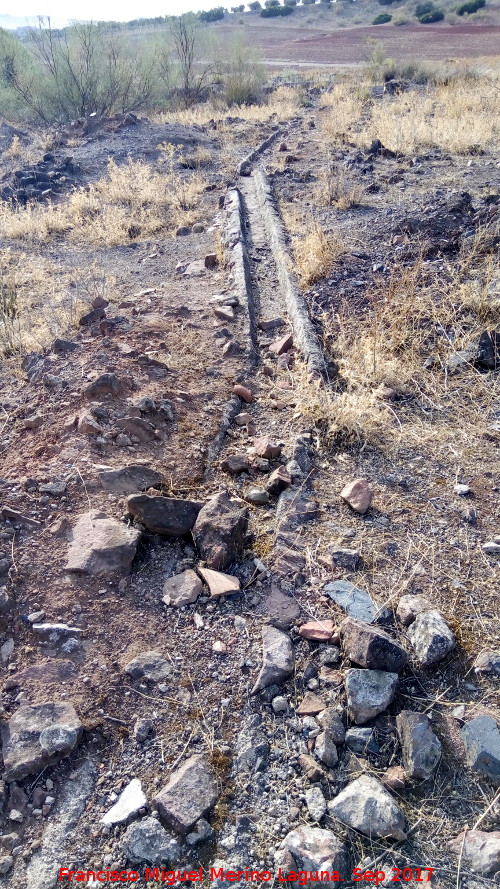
{"x": 190, "y": 793}
{"x": 479, "y": 850}
{"x": 310, "y": 767}
{"x": 330, "y": 676}
{"x": 282, "y": 345}
{"x": 409, "y": 606}
{"x": 394, "y": 778}
{"x": 317, "y": 630}
{"x": 278, "y": 480}
{"x": 219, "y": 532}
{"x": 243, "y": 393}
{"x": 310, "y": 705}
{"x": 264, "y": 447}
{"x": 88, "y": 426}
{"x": 358, "y": 494}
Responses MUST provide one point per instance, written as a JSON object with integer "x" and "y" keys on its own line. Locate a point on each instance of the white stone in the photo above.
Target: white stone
{"x": 129, "y": 802}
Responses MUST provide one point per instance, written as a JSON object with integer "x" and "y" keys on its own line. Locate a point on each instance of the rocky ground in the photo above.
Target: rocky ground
{"x": 228, "y": 640}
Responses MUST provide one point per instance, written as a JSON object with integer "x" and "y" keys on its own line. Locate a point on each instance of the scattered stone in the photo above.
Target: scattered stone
{"x": 55, "y": 632}
{"x": 325, "y": 749}
{"x": 330, "y": 654}
{"x": 101, "y": 545}
{"x": 147, "y": 841}
{"x": 202, "y": 833}
{"x": 482, "y": 747}
{"x": 142, "y": 729}
{"x": 371, "y": 648}
{"x": 191, "y": 792}
{"x": 394, "y": 778}
{"x": 129, "y": 802}
{"x": 211, "y": 261}
{"x": 219, "y": 647}
{"x": 350, "y": 559}
{"x": 198, "y": 228}
{"x": 330, "y": 720}
{"x": 361, "y": 740}
{"x": 37, "y": 736}
{"x": 55, "y": 488}
{"x": 355, "y": 602}
{"x": 279, "y": 704}
{"x": 243, "y": 393}
{"x": 224, "y": 313}
{"x": 310, "y": 849}
{"x": 278, "y": 480}
{"x": 182, "y": 231}
{"x": 182, "y": 589}
{"x": 220, "y": 530}
{"x": 431, "y": 637}
{"x": 281, "y": 608}
{"x": 479, "y": 850}
{"x": 130, "y": 479}
{"x": 164, "y": 515}
{"x": 149, "y": 665}
{"x": 271, "y": 324}
{"x": 141, "y": 429}
{"x": 410, "y": 606}
{"x": 33, "y": 422}
{"x": 252, "y": 747}
{"x": 461, "y": 490}
{"x": 312, "y": 770}
{"x": 88, "y": 426}
{"x": 421, "y": 747}
{"x": 106, "y": 384}
{"x": 282, "y": 345}
{"x": 369, "y": 692}
{"x": 218, "y": 583}
{"x": 243, "y": 418}
{"x": 235, "y": 464}
{"x": 316, "y": 803}
{"x": 488, "y": 662}
{"x": 264, "y": 447}
{"x": 358, "y": 495}
{"x": 310, "y": 705}
{"x": 257, "y": 496}
{"x": 368, "y": 807}
{"x": 491, "y": 548}
{"x": 317, "y": 630}
{"x": 6, "y": 864}
{"x": 277, "y": 658}
{"x": 231, "y": 348}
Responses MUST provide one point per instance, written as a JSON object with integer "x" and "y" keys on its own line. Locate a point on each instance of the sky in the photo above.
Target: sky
{"x": 104, "y": 10}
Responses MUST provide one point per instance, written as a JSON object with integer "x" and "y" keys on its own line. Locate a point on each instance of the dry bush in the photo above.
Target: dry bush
{"x": 283, "y": 102}
{"x": 344, "y": 107}
{"x": 130, "y": 201}
{"x": 335, "y": 189}
{"x": 414, "y": 317}
{"x": 314, "y": 250}
{"x": 456, "y": 117}
{"x": 41, "y": 300}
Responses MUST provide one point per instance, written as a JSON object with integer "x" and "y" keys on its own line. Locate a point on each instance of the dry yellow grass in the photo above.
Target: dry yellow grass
{"x": 41, "y": 300}
{"x": 335, "y": 188}
{"x": 314, "y": 250}
{"x": 457, "y": 117}
{"x": 129, "y": 202}
{"x": 343, "y": 109}
{"x": 282, "y": 102}
{"x": 414, "y": 318}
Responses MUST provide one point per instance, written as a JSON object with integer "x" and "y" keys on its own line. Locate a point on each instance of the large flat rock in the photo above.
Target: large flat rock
{"x": 101, "y": 545}
{"x": 164, "y": 515}
{"x": 36, "y": 736}
{"x": 130, "y": 479}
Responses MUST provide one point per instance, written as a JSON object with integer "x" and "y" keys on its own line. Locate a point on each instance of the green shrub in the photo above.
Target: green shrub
{"x": 212, "y": 15}
{"x": 435, "y": 15}
{"x": 427, "y": 13}
{"x": 470, "y": 7}
{"x": 290, "y": 2}
{"x": 382, "y": 19}
{"x": 255, "y": 6}
{"x": 308, "y": 2}
{"x": 273, "y": 11}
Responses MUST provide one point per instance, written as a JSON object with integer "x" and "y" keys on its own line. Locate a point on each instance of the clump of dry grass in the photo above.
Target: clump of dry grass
{"x": 404, "y": 343}
{"x": 335, "y": 189}
{"x": 282, "y": 102}
{"x": 41, "y": 300}
{"x": 315, "y": 253}
{"x": 457, "y": 116}
{"x": 129, "y": 202}
{"x": 344, "y": 107}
